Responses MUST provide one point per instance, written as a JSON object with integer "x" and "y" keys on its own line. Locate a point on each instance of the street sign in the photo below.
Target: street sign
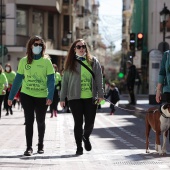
{"x": 3, "y": 50}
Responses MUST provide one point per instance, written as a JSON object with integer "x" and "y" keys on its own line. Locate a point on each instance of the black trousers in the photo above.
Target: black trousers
{"x": 6, "y": 106}
{"x": 83, "y": 109}
{"x": 30, "y": 105}
{"x": 54, "y": 104}
{"x": 1, "y": 100}
{"x": 167, "y": 97}
{"x": 131, "y": 93}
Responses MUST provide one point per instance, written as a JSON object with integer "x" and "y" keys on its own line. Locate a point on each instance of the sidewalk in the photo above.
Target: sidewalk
{"x": 110, "y": 150}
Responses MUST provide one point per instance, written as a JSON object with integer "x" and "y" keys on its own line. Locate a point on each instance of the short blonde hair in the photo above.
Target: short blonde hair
{"x": 112, "y": 85}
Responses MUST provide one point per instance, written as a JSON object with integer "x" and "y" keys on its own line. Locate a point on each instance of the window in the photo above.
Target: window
{"x": 66, "y": 24}
{"x": 37, "y": 23}
{"x": 50, "y": 26}
{"x": 22, "y": 28}
{"x": 66, "y": 1}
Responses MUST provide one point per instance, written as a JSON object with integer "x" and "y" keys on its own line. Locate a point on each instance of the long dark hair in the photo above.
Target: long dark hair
{"x": 70, "y": 62}
{"x": 29, "y": 47}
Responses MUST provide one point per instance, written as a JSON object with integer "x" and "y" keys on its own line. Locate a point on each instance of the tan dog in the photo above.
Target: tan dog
{"x": 160, "y": 123}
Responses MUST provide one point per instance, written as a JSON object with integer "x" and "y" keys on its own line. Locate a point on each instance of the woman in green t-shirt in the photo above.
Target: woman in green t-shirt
{"x": 3, "y": 86}
{"x": 36, "y": 74}
{"x": 10, "y": 75}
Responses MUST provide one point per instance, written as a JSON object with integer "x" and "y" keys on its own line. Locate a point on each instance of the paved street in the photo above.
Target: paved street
{"x": 118, "y": 142}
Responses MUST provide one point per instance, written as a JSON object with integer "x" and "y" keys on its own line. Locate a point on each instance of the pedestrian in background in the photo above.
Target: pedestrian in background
{"x": 53, "y": 106}
{"x": 163, "y": 85}
{"x": 130, "y": 81}
{"x": 104, "y": 83}
{"x": 82, "y": 84}
{"x": 3, "y": 87}
{"x": 114, "y": 97}
{"x": 10, "y": 75}
{"x": 66, "y": 108}
{"x": 36, "y": 74}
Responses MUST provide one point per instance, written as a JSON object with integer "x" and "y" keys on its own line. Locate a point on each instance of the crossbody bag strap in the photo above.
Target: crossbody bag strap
{"x": 86, "y": 68}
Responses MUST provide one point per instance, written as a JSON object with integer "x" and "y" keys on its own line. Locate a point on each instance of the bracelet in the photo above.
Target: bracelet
{"x": 158, "y": 90}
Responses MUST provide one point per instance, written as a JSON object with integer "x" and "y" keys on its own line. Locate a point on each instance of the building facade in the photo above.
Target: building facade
{"x": 155, "y": 33}
{"x": 59, "y": 22}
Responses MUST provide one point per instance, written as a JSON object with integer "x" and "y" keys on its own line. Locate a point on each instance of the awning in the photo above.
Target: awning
{"x": 48, "y": 51}
{"x": 16, "y": 49}
{"x": 56, "y": 52}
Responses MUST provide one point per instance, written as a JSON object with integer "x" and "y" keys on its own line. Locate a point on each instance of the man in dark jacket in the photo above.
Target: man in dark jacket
{"x": 130, "y": 80}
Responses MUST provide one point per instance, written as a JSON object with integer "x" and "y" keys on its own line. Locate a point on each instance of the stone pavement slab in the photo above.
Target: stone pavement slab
{"x": 59, "y": 146}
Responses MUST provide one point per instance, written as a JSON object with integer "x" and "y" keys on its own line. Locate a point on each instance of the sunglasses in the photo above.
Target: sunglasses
{"x": 79, "y": 46}
{"x": 37, "y": 44}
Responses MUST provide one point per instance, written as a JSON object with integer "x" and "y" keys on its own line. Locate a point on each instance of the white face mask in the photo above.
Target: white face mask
{"x": 7, "y": 69}
{"x": 36, "y": 50}
{"x": 82, "y": 55}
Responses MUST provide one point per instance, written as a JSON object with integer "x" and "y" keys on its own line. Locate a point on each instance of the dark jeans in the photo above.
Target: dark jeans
{"x": 131, "y": 93}
{"x": 54, "y": 104}
{"x": 112, "y": 108}
{"x": 30, "y": 105}
{"x": 6, "y": 106}
{"x": 1, "y": 100}
{"x": 83, "y": 108}
{"x": 167, "y": 97}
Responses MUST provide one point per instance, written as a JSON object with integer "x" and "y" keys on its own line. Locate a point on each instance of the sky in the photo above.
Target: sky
{"x": 110, "y": 22}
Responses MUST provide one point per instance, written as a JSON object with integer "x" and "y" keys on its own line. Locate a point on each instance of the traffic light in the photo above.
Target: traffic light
{"x": 121, "y": 75}
{"x": 139, "y": 41}
{"x": 132, "y": 41}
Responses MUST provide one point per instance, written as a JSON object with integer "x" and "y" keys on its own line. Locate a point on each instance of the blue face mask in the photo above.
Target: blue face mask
{"x": 36, "y": 50}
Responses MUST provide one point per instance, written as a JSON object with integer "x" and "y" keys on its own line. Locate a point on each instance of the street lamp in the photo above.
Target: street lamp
{"x": 164, "y": 16}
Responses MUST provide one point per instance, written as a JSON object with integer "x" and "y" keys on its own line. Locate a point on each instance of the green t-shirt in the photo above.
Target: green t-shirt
{"x": 86, "y": 82}
{"x": 10, "y": 77}
{"x": 35, "y": 76}
{"x": 57, "y": 79}
{"x": 3, "y": 82}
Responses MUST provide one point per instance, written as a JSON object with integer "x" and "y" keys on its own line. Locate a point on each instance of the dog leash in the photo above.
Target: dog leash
{"x": 141, "y": 111}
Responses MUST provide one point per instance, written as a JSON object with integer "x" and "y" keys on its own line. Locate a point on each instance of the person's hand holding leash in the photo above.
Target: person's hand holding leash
{"x": 100, "y": 99}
